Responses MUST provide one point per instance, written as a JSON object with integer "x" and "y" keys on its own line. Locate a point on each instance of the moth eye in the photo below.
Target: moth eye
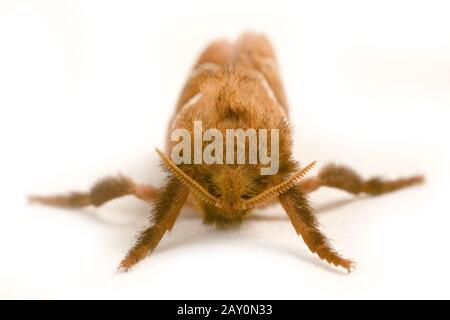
{"x": 245, "y": 196}
{"x": 214, "y": 192}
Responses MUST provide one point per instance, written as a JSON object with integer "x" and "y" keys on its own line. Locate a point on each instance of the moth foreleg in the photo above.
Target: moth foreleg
{"x": 305, "y": 223}
{"x": 168, "y": 203}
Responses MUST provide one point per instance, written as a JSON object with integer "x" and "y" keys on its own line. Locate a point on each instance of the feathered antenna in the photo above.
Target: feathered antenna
{"x": 188, "y": 181}
{"x": 267, "y": 195}
{"x": 277, "y": 190}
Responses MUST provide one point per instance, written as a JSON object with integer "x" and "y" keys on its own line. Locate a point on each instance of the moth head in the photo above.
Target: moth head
{"x": 232, "y": 195}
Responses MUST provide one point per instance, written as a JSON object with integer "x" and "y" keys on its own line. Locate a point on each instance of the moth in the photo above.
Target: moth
{"x": 233, "y": 85}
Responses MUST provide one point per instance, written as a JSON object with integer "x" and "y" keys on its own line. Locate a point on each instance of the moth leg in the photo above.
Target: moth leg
{"x": 344, "y": 178}
{"x": 104, "y": 190}
{"x": 305, "y": 223}
{"x": 168, "y": 204}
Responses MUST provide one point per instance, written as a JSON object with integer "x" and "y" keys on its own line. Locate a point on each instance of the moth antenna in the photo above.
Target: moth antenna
{"x": 187, "y": 180}
{"x": 279, "y": 189}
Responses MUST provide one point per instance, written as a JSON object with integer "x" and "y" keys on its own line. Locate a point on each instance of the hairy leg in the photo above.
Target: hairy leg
{"x": 344, "y": 178}
{"x": 305, "y": 223}
{"x": 168, "y": 203}
{"x": 103, "y": 191}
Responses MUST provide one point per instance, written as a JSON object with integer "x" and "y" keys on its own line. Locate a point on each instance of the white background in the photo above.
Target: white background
{"x": 87, "y": 88}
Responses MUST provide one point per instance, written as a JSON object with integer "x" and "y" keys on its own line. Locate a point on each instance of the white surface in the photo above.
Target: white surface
{"x": 87, "y": 88}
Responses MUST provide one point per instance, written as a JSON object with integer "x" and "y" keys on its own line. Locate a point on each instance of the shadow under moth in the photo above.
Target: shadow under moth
{"x": 233, "y": 85}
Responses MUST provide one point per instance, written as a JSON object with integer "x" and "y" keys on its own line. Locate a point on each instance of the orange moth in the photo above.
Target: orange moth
{"x": 213, "y": 161}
